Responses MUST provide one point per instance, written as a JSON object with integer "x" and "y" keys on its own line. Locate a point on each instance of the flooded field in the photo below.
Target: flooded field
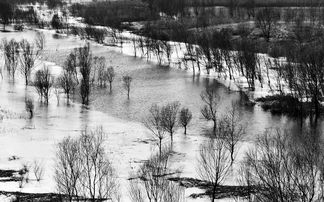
{"x": 128, "y": 141}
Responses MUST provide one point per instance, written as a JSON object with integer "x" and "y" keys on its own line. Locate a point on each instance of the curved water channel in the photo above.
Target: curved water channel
{"x": 128, "y": 142}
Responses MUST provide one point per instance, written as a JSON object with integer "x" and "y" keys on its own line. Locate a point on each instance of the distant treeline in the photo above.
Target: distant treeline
{"x": 256, "y": 3}
{"x": 112, "y": 13}
{"x": 23, "y": 1}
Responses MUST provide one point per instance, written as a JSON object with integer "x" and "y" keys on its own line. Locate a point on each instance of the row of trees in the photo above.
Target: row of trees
{"x": 83, "y": 170}
{"x": 22, "y": 54}
{"x": 167, "y": 118}
{"x": 81, "y": 70}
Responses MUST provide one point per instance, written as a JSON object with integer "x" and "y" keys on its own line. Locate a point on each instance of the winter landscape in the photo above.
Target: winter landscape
{"x": 161, "y": 100}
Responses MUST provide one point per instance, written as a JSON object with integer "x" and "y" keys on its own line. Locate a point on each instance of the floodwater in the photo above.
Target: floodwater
{"x": 128, "y": 142}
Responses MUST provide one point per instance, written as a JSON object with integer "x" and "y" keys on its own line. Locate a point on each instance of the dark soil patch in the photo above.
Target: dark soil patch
{"x": 7, "y": 173}
{"x": 31, "y": 197}
{"x": 221, "y": 191}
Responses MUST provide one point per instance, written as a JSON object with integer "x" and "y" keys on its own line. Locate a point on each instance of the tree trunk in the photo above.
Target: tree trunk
{"x": 185, "y": 130}
{"x": 160, "y": 146}
{"x": 214, "y": 127}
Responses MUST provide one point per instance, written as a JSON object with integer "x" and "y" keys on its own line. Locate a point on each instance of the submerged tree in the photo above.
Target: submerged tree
{"x": 43, "y": 83}
{"x": 127, "y": 80}
{"x": 29, "y": 105}
{"x": 169, "y": 114}
{"x": 210, "y": 108}
{"x": 153, "y": 122}
{"x": 67, "y": 82}
{"x": 11, "y": 55}
{"x": 110, "y": 74}
{"x": 27, "y": 59}
{"x": 84, "y": 56}
{"x": 185, "y": 117}
{"x": 233, "y": 130}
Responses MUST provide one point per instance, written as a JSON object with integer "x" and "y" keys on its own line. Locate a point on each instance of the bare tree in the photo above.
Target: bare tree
{"x": 150, "y": 183}
{"x": 83, "y": 170}
{"x": 27, "y": 59}
{"x": 234, "y": 130}
{"x": 84, "y": 56}
{"x": 185, "y": 117}
{"x": 43, "y": 83}
{"x": 154, "y": 123}
{"x": 57, "y": 91}
{"x": 110, "y": 74}
{"x": 266, "y": 20}
{"x": 98, "y": 176}
{"x": 127, "y": 80}
{"x": 38, "y": 169}
{"x": 248, "y": 62}
{"x": 100, "y": 65}
{"x": 70, "y": 65}
{"x": 29, "y": 105}
{"x": 68, "y": 168}
{"x": 169, "y": 114}
{"x": 286, "y": 167}
{"x": 213, "y": 163}
{"x": 210, "y": 108}
{"x": 40, "y": 41}
{"x": 67, "y": 82}
{"x": 11, "y": 55}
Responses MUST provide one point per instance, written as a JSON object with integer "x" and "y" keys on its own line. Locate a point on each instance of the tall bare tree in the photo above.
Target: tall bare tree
{"x": 234, "y": 130}
{"x": 110, "y": 76}
{"x": 185, "y": 117}
{"x": 43, "y": 83}
{"x": 213, "y": 163}
{"x": 154, "y": 123}
{"x": 169, "y": 114}
{"x": 83, "y": 170}
{"x": 28, "y": 57}
{"x": 210, "y": 108}
{"x": 84, "y": 56}
{"x": 127, "y": 80}
{"x": 11, "y": 55}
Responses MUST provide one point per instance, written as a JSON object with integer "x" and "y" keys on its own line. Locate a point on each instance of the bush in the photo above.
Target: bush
{"x": 281, "y": 104}
{"x": 19, "y": 27}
